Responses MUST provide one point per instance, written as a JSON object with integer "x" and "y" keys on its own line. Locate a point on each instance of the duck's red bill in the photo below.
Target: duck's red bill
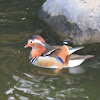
{"x": 26, "y": 46}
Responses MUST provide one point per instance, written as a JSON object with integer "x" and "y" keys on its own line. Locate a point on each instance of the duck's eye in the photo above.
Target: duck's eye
{"x": 31, "y": 42}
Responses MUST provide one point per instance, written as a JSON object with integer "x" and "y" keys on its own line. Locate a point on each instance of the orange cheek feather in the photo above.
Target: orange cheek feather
{"x": 37, "y": 51}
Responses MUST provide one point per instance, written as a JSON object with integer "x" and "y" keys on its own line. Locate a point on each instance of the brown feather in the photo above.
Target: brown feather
{"x": 57, "y": 51}
{"x": 51, "y": 50}
{"x": 75, "y": 56}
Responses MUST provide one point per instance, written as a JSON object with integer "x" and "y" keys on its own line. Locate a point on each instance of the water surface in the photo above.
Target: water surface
{"x": 19, "y": 80}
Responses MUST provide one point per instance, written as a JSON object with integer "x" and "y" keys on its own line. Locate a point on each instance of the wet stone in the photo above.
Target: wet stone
{"x": 75, "y": 21}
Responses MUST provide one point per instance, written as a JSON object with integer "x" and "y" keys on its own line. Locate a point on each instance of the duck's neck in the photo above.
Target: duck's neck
{"x": 37, "y": 51}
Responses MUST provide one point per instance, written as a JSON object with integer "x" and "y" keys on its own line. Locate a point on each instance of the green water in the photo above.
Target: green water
{"x": 19, "y": 80}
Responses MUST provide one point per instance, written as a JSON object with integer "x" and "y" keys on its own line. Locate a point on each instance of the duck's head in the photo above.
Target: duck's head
{"x": 35, "y": 40}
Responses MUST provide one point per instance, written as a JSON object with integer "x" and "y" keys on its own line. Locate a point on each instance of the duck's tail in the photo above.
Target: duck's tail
{"x": 75, "y": 60}
{"x": 75, "y": 56}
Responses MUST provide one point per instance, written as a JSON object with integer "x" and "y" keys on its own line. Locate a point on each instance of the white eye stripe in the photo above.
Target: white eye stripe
{"x": 37, "y": 41}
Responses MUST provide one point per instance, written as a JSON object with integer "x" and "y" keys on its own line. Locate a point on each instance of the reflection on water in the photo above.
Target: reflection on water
{"x": 19, "y": 80}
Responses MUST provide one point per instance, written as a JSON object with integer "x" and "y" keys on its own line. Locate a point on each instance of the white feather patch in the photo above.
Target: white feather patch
{"x": 74, "y": 63}
{"x": 72, "y": 50}
{"x": 37, "y": 41}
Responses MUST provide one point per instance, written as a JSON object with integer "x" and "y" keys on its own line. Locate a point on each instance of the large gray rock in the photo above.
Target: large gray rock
{"x": 74, "y": 20}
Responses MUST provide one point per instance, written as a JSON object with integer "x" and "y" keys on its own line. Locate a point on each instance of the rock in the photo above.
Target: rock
{"x": 75, "y": 20}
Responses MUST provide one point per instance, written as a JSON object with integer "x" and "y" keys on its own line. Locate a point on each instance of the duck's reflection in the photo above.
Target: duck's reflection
{"x": 52, "y": 71}
{"x": 64, "y": 73}
{"x": 76, "y": 70}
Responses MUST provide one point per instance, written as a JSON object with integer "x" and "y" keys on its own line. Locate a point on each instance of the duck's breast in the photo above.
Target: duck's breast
{"x": 48, "y": 62}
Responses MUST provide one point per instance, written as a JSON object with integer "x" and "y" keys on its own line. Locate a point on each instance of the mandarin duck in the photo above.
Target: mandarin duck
{"x": 59, "y": 57}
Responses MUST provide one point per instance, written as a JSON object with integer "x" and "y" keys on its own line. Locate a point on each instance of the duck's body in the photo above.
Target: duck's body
{"x": 59, "y": 57}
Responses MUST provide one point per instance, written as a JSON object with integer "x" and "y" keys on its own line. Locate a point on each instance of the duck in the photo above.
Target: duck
{"x": 56, "y": 57}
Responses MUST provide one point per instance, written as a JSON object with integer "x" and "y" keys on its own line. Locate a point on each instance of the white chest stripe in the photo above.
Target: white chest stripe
{"x": 32, "y": 60}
